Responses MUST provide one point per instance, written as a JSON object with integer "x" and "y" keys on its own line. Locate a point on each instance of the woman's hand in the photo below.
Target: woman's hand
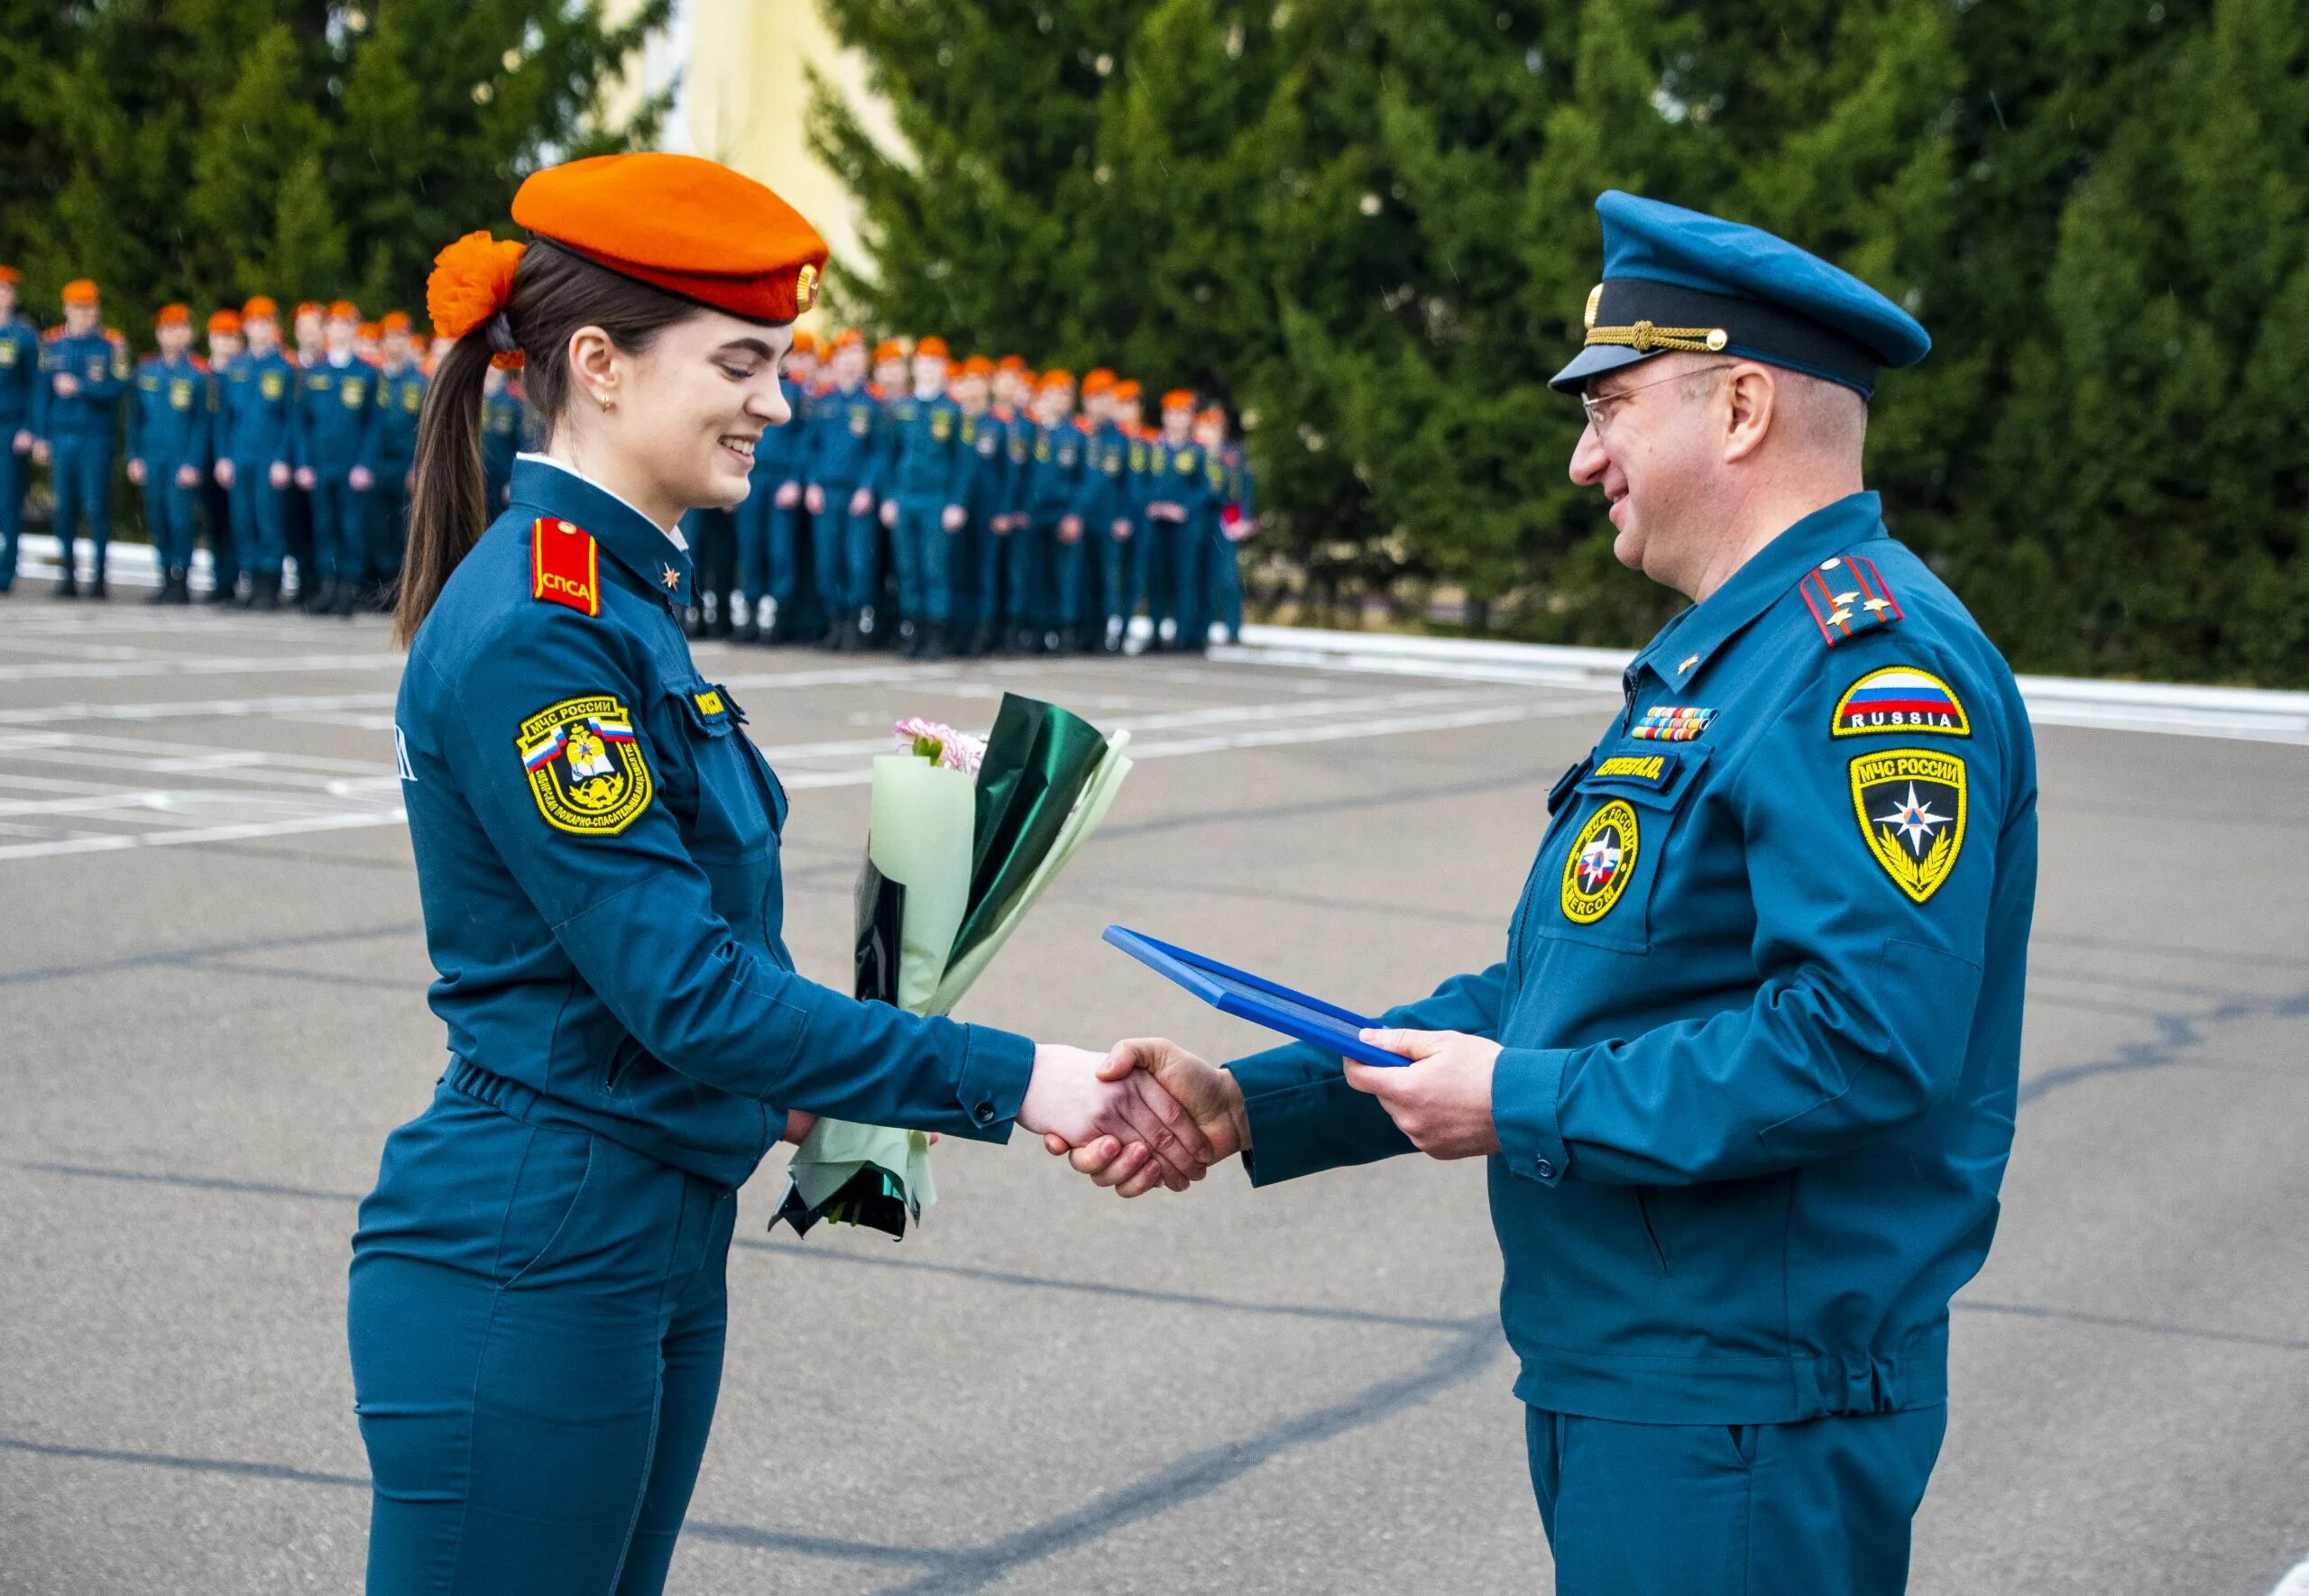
{"x": 1068, "y": 1098}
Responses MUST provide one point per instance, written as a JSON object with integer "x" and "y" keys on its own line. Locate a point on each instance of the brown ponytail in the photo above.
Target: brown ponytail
{"x": 555, "y": 293}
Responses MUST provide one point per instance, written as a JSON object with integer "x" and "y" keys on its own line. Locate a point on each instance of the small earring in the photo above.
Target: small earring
{"x": 607, "y": 403}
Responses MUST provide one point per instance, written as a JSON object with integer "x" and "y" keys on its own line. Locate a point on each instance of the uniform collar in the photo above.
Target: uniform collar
{"x": 1679, "y": 654}
{"x": 659, "y": 559}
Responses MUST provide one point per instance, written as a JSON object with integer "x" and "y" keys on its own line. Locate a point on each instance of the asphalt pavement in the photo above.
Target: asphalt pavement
{"x": 212, "y": 980}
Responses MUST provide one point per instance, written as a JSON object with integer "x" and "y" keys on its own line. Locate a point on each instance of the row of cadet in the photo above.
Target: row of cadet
{"x": 944, "y": 507}
{"x": 286, "y": 460}
{"x": 913, "y": 500}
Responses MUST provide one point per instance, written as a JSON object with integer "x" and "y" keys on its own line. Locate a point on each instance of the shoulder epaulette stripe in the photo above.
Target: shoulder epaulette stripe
{"x": 1839, "y": 615}
{"x": 565, "y": 566}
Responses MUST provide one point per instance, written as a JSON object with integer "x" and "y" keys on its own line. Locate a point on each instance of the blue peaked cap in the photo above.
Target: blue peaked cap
{"x": 1675, "y": 279}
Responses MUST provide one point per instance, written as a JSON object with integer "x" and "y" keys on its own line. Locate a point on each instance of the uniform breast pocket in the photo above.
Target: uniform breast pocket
{"x": 740, "y": 807}
{"x": 1596, "y": 882}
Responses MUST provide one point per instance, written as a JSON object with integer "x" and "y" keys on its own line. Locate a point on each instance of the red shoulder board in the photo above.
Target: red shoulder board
{"x": 565, "y": 566}
{"x": 1847, "y": 595}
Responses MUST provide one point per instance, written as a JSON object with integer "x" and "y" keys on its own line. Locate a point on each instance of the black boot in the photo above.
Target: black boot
{"x": 224, "y": 593}
{"x": 97, "y": 589}
{"x": 264, "y": 591}
{"x": 869, "y": 632}
{"x": 180, "y": 587}
{"x": 930, "y": 641}
{"x": 746, "y": 630}
{"x": 346, "y": 599}
{"x": 67, "y": 586}
{"x": 1117, "y": 629}
{"x": 166, "y": 593}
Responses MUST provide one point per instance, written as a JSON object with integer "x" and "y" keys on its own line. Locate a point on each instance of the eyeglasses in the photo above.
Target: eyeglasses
{"x": 1599, "y": 410}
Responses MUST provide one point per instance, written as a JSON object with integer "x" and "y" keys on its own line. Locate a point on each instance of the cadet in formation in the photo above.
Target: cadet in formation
{"x": 261, "y": 414}
{"x": 844, "y": 439}
{"x": 216, "y": 499}
{"x": 387, "y": 466}
{"x": 339, "y": 395}
{"x": 170, "y": 430}
{"x": 1746, "y": 1068}
{"x": 20, "y": 392}
{"x": 84, "y": 371}
{"x": 537, "y": 1304}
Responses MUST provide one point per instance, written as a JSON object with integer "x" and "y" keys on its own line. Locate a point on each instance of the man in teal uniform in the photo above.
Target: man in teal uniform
{"x": 339, "y": 399}
{"x": 168, "y": 449}
{"x": 843, "y": 439}
{"x": 262, "y": 410}
{"x": 1037, "y": 566}
{"x": 927, "y": 480}
{"x": 1092, "y": 618}
{"x": 84, "y": 366}
{"x": 216, "y": 499}
{"x": 1745, "y": 1072}
{"x": 1182, "y": 503}
{"x": 385, "y": 474}
{"x": 20, "y": 391}
{"x": 1007, "y": 519}
{"x": 1233, "y": 522}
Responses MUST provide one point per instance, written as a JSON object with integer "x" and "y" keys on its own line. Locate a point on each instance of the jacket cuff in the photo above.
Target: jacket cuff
{"x": 1525, "y": 1086}
{"x": 997, "y": 1065}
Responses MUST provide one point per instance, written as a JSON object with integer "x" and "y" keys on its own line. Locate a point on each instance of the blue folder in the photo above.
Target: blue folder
{"x": 1246, "y": 996}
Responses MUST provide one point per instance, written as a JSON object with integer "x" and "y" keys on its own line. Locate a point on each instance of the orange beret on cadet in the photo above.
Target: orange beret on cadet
{"x": 1179, "y": 399}
{"x": 804, "y": 343}
{"x": 932, "y": 345}
{"x": 889, "y": 349}
{"x": 684, "y": 223}
{"x": 343, "y": 311}
{"x": 261, "y": 308}
{"x": 172, "y": 315}
{"x": 368, "y": 330}
{"x": 1097, "y": 379}
{"x": 1011, "y": 363}
{"x": 978, "y": 365}
{"x": 80, "y": 290}
{"x": 1057, "y": 377}
{"x": 306, "y": 308}
{"x": 847, "y": 338}
{"x": 8, "y": 275}
{"x": 224, "y": 321}
{"x": 393, "y": 321}
{"x": 1126, "y": 390}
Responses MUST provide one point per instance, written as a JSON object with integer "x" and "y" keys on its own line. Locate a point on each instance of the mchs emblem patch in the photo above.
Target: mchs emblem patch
{"x": 585, "y": 769}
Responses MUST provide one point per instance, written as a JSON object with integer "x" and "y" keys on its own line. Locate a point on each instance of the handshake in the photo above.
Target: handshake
{"x": 1151, "y": 1114}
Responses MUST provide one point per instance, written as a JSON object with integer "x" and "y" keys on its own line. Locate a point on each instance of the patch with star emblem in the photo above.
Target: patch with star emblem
{"x": 1900, "y": 698}
{"x": 1595, "y": 871}
{"x": 1672, "y": 723}
{"x": 585, "y": 766}
{"x": 1911, "y": 805}
{"x": 1847, "y": 595}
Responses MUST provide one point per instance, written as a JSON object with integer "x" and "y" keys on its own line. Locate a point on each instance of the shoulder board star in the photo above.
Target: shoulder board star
{"x": 1867, "y": 601}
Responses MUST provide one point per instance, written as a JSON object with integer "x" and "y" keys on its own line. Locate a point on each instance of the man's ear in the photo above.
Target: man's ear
{"x": 1753, "y": 396}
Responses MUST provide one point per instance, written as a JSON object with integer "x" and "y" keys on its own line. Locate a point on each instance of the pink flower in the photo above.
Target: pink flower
{"x": 941, "y": 744}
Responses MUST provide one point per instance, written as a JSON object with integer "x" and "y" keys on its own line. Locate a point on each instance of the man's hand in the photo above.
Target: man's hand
{"x": 224, "y": 473}
{"x": 815, "y": 500}
{"x": 279, "y": 475}
{"x": 1077, "y": 1097}
{"x": 188, "y": 476}
{"x": 1441, "y": 1100}
{"x": 861, "y": 501}
{"x": 953, "y": 516}
{"x": 1122, "y": 531}
{"x": 362, "y": 478}
{"x": 798, "y": 1126}
{"x": 67, "y": 384}
{"x": 307, "y": 477}
{"x": 24, "y": 440}
{"x": 137, "y": 472}
{"x": 789, "y": 494}
{"x": 1211, "y": 1097}
{"x": 889, "y": 512}
{"x": 40, "y": 451}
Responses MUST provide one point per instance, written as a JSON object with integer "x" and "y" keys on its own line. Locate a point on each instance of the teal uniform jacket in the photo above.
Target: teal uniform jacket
{"x": 338, "y": 404}
{"x": 1018, "y": 436}
{"x": 927, "y": 461}
{"x": 844, "y": 441}
{"x": 168, "y": 420}
{"x": 262, "y": 412}
{"x": 1105, "y": 491}
{"x": 597, "y": 844}
{"x": 21, "y": 388}
{"x": 1056, "y": 480}
{"x": 501, "y": 440}
{"x": 1760, "y": 1006}
{"x": 984, "y": 440}
{"x": 219, "y": 401}
{"x": 99, "y": 363}
{"x": 388, "y": 448}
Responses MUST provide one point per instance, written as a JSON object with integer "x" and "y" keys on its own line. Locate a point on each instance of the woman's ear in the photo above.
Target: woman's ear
{"x": 593, "y": 367}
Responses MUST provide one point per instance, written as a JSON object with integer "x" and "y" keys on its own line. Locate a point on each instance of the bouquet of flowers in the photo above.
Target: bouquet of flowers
{"x": 964, "y": 835}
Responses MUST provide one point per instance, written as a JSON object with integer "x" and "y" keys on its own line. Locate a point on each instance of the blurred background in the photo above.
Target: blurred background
{"x": 1366, "y": 225}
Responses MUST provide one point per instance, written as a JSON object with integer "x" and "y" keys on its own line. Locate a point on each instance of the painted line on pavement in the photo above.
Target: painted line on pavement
{"x": 2296, "y": 1582}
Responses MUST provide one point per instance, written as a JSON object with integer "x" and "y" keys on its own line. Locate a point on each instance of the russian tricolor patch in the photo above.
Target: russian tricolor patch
{"x": 1901, "y": 699}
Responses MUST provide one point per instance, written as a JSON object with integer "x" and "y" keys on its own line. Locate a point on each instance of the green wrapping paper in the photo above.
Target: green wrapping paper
{"x": 952, "y": 865}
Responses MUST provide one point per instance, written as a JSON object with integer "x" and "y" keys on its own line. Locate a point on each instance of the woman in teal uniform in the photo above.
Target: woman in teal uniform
{"x": 536, "y": 1304}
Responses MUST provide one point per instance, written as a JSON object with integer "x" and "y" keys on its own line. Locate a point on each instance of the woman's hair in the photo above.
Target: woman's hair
{"x": 555, "y": 292}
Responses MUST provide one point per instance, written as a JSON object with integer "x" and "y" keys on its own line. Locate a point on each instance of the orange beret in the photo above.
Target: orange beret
{"x": 1011, "y": 363}
{"x": 1211, "y": 413}
{"x": 393, "y": 321}
{"x": 311, "y": 308}
{"x": 8, "y": 275}
{"x": 343, "y": 311}
{"x": 172, "y": 315}
{"x": 848, "y": 338}
{"x": 804, "y": 344}
{"x": 1126, "y": 390}
{"x": 224, "y": 321}
{"x": 1057, "y": 377}
{"x": 934, "y": 344}
{"x": 683, "y": 223}
{"x": 889, "y": 349}
{"x": 978, "y": 365}
{"x": 367, "y": 329}
{"x": 260, "y": 307}
{"x": 1179, "y": 399}
{"x": 1097, "y": 379}
{"x": 80, "y": 290}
